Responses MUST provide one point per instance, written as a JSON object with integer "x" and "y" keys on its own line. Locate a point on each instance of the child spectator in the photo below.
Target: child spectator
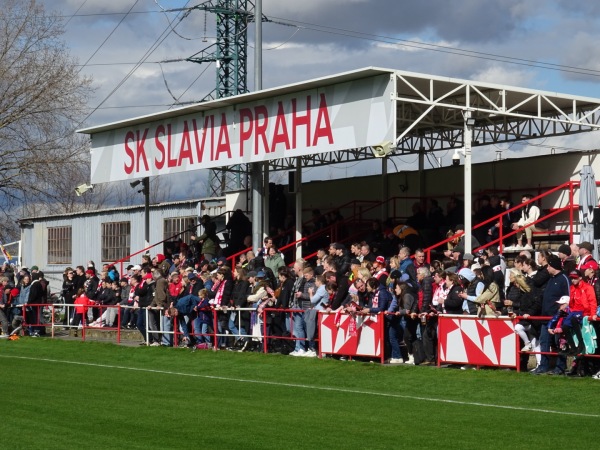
{"x": 81, "y": 306}
{"x": 204, "y": 318}
{"x": 561, "y": 325}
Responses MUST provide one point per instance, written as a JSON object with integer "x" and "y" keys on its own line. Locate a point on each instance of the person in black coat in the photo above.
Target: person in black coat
{"x": 453, "y": 303}
{"x": 239, "y": 321}
{"x": 69, "y": 293}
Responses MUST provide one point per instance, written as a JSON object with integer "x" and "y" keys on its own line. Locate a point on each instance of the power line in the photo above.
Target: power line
{"x": 110, "y": 34}
{"x": 146, "y": 55}
{"x": 75, "y": 13}
{"x": 437, "y": 48}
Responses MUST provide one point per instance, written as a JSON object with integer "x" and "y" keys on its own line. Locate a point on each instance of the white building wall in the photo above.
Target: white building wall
{"x": 87, "y": 231}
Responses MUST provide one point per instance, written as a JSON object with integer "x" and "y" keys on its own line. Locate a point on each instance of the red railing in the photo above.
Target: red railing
{"x": 571, "y": 207}
{"x": 332, "y": 231}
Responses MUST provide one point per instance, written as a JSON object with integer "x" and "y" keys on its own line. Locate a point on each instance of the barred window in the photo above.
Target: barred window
{"x": 116, "y": 241}
{"x": 176, "y": 225}
{"x": 59, "y": 245}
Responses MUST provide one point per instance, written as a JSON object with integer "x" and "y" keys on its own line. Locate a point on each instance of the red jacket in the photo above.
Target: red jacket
{"x": 583, "y": 298}
{"x": 81, "y": 304}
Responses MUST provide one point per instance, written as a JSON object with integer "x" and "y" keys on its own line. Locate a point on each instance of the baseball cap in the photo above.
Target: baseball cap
{"x": 380, "y": 260}
{"x": 590, "y": 264}
{"x": 564, "y": 300}
{"x": 137, "y": 267}
{"x": 468, "y": 274}
{"x": 575, "y": 274}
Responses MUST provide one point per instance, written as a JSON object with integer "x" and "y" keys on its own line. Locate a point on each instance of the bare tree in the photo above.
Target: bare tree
{"x": 42, "y": 100}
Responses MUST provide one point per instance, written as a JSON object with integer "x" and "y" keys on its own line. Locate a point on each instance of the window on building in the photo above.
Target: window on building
{"x": 176, "y": 225}
{"x": 116, "y": 241}
{"x": 59, "y": 245}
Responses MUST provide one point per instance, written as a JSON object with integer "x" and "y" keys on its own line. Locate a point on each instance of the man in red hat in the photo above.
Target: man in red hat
{"x": 161, "y": 263}
{"x": 583, "y": 297}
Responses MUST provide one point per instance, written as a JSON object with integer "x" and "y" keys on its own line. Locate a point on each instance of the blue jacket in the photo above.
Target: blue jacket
{"x": 557, "y": 286}
{"x": 379, "y": 300}
{"x": 204, "y": 311}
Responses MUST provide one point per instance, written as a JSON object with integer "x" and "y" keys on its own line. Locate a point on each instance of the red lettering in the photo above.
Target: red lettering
{"x": 223, "y": 146}
{"x": 260, "y": 129}
{"x": 212, "y": 137}
{"x": 141, "y": 151}
{"x": 199, "y": 150}
{"x": 171, "y": 161}
{"x": 300, "y": 120}
{"x": 323, "y": 128}
{"x": 160, "y": 131}
{"x": 185, "y": 151}
{"x": 129, "y": 152}
{"x": 280, "y": 135}
{"x": 245, "y": 116}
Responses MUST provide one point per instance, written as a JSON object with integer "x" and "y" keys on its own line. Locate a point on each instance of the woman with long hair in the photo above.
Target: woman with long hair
{"x": 526, "y": 305}
{"x": 453, "y": 303}
{"x": 239, "y": 295}
{"x": 489, "y": 298}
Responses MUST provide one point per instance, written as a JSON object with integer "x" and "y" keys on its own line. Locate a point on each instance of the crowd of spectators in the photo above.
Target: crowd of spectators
{"x": 201, "y": 294}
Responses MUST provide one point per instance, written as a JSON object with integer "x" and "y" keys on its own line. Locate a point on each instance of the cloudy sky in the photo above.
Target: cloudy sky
{"x": 123, "y": 46}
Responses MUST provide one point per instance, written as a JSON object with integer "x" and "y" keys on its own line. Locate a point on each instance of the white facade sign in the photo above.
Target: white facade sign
{"x": 341, "y": 116}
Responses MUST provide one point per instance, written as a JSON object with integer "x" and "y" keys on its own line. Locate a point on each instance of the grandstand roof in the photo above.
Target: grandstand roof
{"x": 427, "y": 114}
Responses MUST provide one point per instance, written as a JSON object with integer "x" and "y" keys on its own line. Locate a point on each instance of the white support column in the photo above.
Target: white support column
{"x": 298, "y": 196}
{"x": 384, "y": 189}
{"x": 256, "y": 181}
{"x": 266, "y": 200}
{"x": 468, "y": 138}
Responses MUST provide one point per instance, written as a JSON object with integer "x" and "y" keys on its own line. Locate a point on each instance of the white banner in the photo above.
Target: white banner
{"x": 341, "y": 116}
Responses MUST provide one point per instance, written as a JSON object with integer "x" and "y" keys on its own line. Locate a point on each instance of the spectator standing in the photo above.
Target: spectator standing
{"x": 586, "y": 259}
{"x": 558, "y": 286}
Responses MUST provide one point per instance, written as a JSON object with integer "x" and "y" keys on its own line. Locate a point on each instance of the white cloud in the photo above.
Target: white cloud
{"x": 503, "y": 75}
{"x": 562, "y": 32}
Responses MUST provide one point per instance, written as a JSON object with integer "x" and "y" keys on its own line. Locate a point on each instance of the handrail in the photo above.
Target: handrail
{"x": 332, "y": 229}
{"x": 498, "y": 218}
{"x": 128, "y": 257}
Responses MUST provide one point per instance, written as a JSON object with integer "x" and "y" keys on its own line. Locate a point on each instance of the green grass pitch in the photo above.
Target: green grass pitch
{"x": 66, "y": 394}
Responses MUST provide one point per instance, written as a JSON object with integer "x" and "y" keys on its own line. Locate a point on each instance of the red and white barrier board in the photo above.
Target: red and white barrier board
{"x": 478, "y": 342}
{"x": 364, "y": 337}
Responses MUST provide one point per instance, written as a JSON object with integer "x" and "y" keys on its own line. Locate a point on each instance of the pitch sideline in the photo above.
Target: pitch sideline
{"x": 306, "y": 386}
